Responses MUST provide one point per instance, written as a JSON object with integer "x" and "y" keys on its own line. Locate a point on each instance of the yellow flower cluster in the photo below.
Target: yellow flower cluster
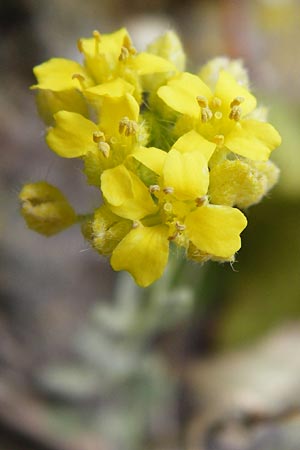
{"x": 174, "y": 154}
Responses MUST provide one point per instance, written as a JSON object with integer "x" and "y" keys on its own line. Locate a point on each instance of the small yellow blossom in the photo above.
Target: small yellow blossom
{"x": 221, "y": 116}
{"x": 174, "y": 210}
{"x": 63, "y": 84}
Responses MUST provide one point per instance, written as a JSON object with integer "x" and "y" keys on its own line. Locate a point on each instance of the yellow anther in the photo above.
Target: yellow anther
{"x": 97, "y": 35}
{"x": 202, "y": 101}
{"x": 216, "y": 102}
{"x": 201, "y": 200}
{"x": 219, "y": 139}
{"x": 135, "y": 224}
{"x": 179, "y": 226}
{"x": 124, "y": 54}
{"x": 129, "y": 127}
{"x": 168, "y": 190}
{"x": 218, "y": 115}
{"x": 98, "y": 136}
{"x": 80, "y": 78}
{"x": 79, "y": 45}
{"x": 206, "y": 115}
{"x": 237, "y": 101}
{"x": 235, "y": 113}
{"x": 154, "y": 188}
{"x": 128, "y": 44}
{"x": 104, "y": 147}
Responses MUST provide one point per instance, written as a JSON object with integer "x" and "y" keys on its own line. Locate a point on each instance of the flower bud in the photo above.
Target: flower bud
{"x": 169, "y": 46}
{"x": 209, "y": 73}
{"x": 241, "y": 183}
{"x": 45, "y": 209}
{"x": 106, "y": 230}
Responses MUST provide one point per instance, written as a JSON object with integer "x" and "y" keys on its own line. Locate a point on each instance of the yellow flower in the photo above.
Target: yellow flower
{"x": 59, "y": 87}
{"x": 62, "y": 83}
{"x": 112, "y": 56}
{"x": 101, "y": 146}
{"x": 175, "y": 209}
{"x": 221, "y": 116}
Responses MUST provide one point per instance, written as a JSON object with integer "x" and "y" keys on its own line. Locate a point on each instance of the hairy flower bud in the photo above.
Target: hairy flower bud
{"x": 209, "y": 73}
{"x": 45, "y": 209}
{"x": 169, "y": 46}
{"x": 106, "y": 230}
{"x": 241, "y": 183}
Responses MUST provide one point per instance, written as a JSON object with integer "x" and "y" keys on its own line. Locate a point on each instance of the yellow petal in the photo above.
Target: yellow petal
{"x": 227, "y": 89}
{"x": 114, "y": 88}
{"x": 181, "y": 94}
{"x": 151, "y": 157}
{"x": 50, "y": 102}
{"x": 193, "y": 141}
{"x": 57, "y": 75}
{"x": 113, "y": 109}
{"x": 216, "y": 229}
{"x": 253, "y": 139}
{"x": 146, "y": 63}
{"x": 72, "y": 136}
{"x": 144, "y": 253}
{"x": 127, "y": 196}
{"x": 187, "y": 173}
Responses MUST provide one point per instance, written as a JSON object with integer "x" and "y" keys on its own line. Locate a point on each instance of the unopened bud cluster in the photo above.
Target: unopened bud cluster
{"x": 174, "y": 155}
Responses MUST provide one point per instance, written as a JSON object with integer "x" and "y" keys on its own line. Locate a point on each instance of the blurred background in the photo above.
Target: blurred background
{"x": 208, "y": 360}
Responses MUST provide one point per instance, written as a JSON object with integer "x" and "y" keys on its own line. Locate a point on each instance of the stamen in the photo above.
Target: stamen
{"x": 135, "y": 224}
{"x": 128, "y": 44}
{"x": 235, "y": 113}
{"x": 219, "y": 139}
{"x": 154, "y": 188}
{"x": 124, "y": 54}
{"x": 201, "y": 200}
{"x": 202, "y": 101}
{"x": 104, "y": 147}
{"x": 206, "y": 115}
{"x": 168, "y": 190}
{"x": 97, "y": 37}
{"x": 130, "y": 127}
{"x": 98, "y": 136}
{"x": 79, "y": 45}
{"x": 237, "y": 101}
{"x": 218, "y": 115}
{"x": 80, "y": 78}
{"x": 216, "y": 102}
